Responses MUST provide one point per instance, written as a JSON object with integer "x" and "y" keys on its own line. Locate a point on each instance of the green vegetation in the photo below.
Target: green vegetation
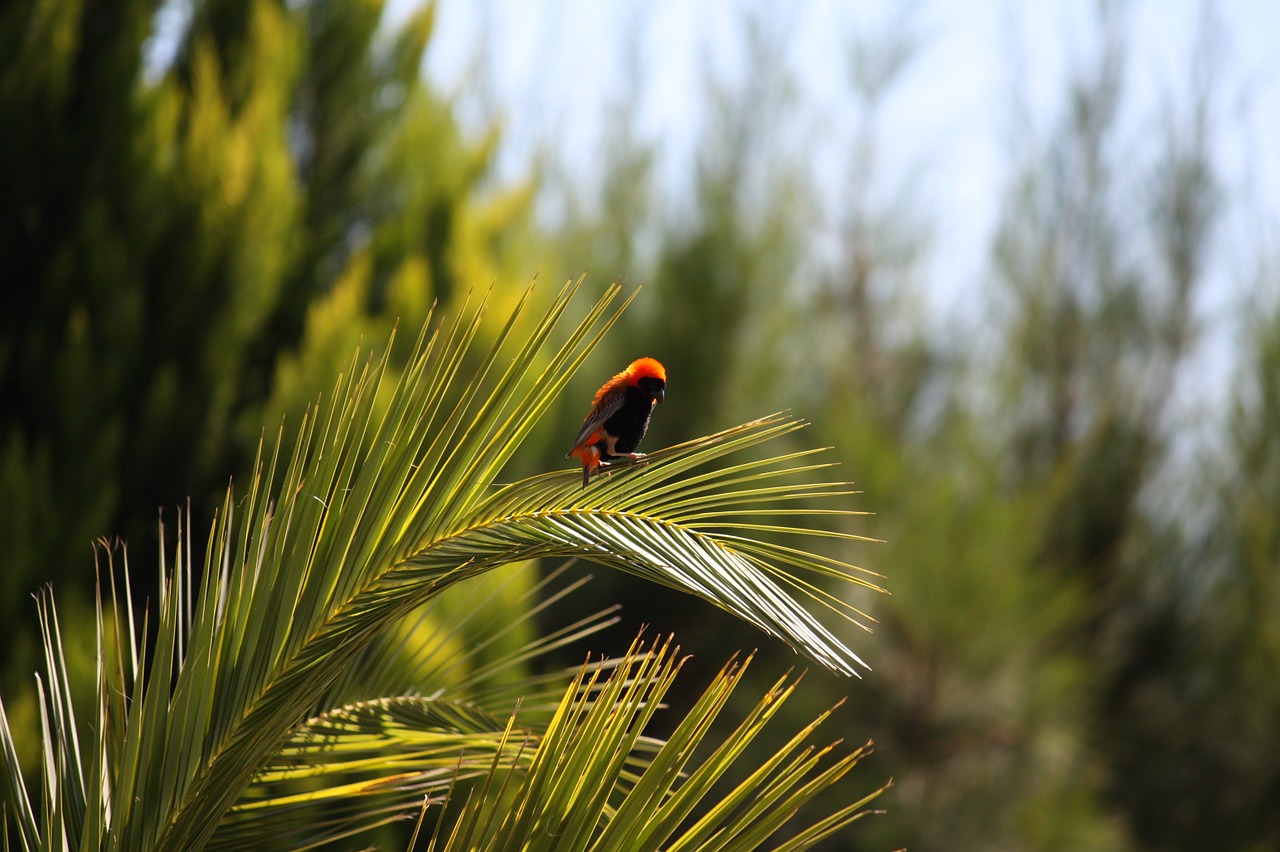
{"x": 245, "y": 722}
{"x": 1081, "y": 541}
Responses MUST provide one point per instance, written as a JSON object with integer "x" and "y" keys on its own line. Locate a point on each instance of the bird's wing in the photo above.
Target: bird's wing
{"x": 607, "y": 405}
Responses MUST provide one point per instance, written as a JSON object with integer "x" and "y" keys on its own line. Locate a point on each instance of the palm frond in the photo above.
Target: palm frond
{"x": 572, "y": 796}
{"x": 353, "y": 768}
{"x": 446, "y": 649}
{"x": 387, "y": 497}
{"x": 366, "y": 761}
{"x": 642, "y": 520}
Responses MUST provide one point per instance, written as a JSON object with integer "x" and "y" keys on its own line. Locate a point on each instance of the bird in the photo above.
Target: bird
{"x": 619, "y": 416}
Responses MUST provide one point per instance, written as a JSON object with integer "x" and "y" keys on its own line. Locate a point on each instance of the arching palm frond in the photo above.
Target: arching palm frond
{"x": 570, "y": 798}
{"x": 386, "y": 498}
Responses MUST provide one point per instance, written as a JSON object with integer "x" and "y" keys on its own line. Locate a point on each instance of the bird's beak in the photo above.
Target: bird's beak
{"x": 661, "y": 395}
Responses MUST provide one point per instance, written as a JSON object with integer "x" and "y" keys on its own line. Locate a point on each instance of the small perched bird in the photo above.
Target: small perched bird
{"x": 619, "y": 416}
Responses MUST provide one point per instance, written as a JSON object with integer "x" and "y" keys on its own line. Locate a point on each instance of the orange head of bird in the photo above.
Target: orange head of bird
{"x": 648, "y": 375}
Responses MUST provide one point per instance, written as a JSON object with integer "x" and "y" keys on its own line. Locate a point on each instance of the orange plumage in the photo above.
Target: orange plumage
{"x": 619, "y": 416}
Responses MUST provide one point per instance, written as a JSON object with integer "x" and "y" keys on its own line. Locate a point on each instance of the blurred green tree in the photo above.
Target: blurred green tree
{"x": 1193, "y": 713}
{"x": 977, "y": 708}
{"x": 1098, "y": 298}
{"x": 198, "y": 220}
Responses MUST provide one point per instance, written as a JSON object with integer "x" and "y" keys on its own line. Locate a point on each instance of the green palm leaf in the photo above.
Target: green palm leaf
{"x": 386, "y": 498}
{"x": 570, "y": 798}
{"x": 355, "y": 767}
{"x": 364, "y": 761}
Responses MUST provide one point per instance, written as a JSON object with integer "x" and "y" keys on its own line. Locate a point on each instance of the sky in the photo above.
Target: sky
{"x": 548, "y": 68}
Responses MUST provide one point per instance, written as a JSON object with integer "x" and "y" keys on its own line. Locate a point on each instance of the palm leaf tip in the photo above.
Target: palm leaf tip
{"x": 595, "y": 782}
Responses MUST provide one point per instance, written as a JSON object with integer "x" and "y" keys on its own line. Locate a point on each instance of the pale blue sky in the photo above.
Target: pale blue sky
{"x": 550, "y": 66}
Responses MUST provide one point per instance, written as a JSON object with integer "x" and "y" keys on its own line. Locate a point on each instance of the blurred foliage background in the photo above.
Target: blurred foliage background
{"x": 1081, "y": 536}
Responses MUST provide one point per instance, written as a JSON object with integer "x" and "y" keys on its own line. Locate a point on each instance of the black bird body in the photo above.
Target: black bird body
{"x": 619, "y": 416}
